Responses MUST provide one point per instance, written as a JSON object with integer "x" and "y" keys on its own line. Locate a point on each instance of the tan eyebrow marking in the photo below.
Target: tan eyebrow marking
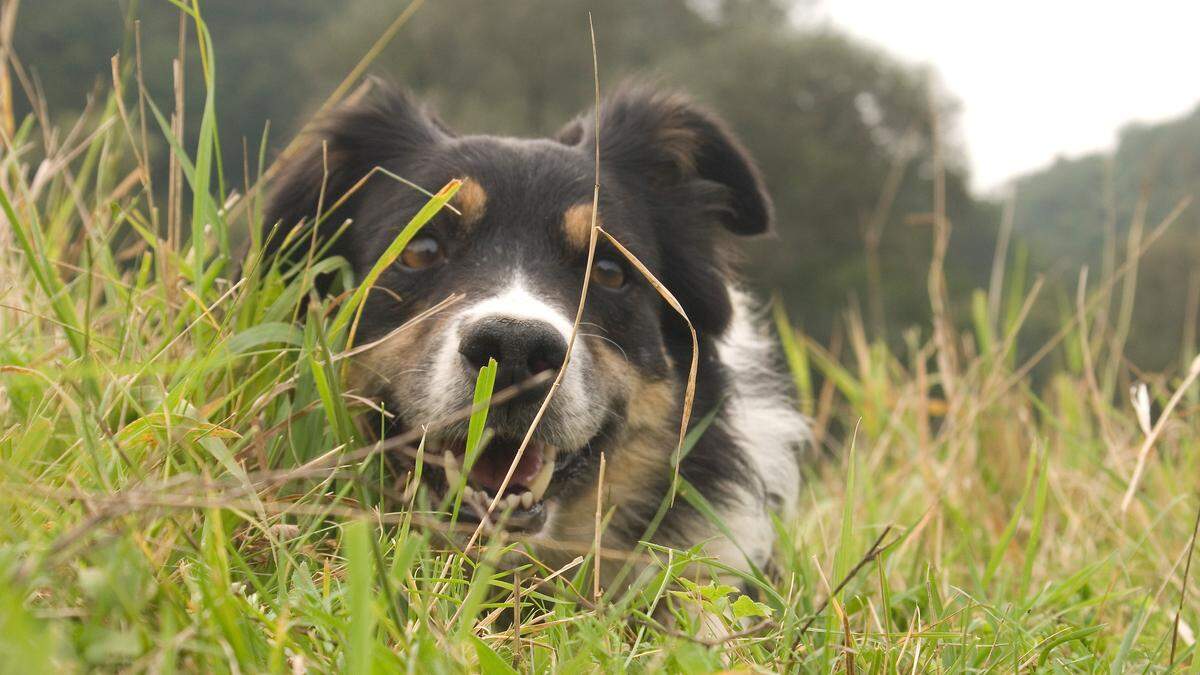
{"x": 577, "y": 225}
{"x": 471, "y": 200}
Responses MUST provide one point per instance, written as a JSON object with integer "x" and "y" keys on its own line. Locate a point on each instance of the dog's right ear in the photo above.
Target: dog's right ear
{"x": 665, "y": 139}
{"x": 380, "y": 129}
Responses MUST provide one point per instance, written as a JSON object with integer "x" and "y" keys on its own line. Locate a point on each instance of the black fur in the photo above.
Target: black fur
{"x": 675, "y": 184}
{"x": 377, "y": 132}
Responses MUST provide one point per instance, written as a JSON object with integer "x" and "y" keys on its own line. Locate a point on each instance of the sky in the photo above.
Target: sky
{"x": 1039, "y": 79}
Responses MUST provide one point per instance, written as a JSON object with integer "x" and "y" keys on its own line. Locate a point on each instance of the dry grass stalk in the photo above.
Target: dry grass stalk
{"x": 1120, "y": 334}
{"x": 939, "y": 300}
{"x": 597, "y": 533}
{"x": 1192, "y": 373}
{"x": 8, "y": 23}
{"x": 873, "y": 232}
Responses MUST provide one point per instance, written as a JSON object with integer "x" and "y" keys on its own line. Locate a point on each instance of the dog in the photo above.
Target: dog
{"x": 676, "y": 189}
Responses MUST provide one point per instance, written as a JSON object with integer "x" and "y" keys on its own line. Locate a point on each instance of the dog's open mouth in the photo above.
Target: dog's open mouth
{"x": 521, "y": 500}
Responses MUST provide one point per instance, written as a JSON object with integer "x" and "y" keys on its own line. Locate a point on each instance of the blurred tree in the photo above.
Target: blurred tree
{"x": 826, "y": 117}
{"x": 67, "y": 45}
{"x": 1080, "y": 211}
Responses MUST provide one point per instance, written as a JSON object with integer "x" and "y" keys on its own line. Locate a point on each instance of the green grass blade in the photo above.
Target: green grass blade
{"x": 796, "y": 353}
{"x": 485, "y": 381}
{"x": 360, "y": 597}
{"x": 1001, "y": 546}
{"x": 353, "y": 306}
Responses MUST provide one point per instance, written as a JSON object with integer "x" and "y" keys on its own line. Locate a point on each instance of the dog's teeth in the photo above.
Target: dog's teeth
{"x": 527, "y": 500}
{"x": 542, "y": 480}
{"x": 450, "y": 466}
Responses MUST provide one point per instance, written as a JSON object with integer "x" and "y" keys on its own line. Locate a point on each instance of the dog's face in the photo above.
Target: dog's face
{"x": 512, "y": 254}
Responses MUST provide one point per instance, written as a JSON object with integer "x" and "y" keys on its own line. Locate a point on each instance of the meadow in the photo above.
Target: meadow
{"x": 187, "y": 484}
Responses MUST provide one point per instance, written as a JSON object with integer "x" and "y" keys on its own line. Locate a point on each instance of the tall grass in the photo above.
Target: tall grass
{"x": 186, "y": 484}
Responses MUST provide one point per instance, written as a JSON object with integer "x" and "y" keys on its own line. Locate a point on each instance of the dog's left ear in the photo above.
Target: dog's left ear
{"x": 666, "y": 138}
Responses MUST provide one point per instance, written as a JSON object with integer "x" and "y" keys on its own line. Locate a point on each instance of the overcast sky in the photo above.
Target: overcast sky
{"x": 1038, "y": 79}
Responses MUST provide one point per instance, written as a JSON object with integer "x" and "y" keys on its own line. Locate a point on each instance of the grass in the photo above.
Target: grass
{"x": 186, "y": 484}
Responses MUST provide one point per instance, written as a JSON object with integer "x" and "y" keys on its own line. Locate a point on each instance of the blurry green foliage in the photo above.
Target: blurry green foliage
{"x": 1068, "y": 212}
{"x": 826, "y": 117}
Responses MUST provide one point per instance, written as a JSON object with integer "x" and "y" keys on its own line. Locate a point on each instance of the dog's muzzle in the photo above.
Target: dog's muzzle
{"x": 523, "y": 348}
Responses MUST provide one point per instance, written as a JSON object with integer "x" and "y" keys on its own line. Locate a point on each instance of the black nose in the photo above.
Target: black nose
{"x": 522, "y": 348}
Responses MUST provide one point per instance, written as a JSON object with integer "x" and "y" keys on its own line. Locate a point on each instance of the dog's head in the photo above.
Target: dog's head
{"x": 674, "y": 184}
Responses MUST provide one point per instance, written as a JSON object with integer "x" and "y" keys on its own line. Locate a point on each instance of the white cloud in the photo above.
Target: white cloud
{"x": 1040, "y": 79}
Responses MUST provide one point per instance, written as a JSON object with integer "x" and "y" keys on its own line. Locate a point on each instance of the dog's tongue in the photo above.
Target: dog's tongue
{"x": 492, "y": 466}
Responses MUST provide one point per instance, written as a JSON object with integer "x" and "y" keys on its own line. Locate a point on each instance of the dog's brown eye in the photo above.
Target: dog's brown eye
{"x": 608, "y": 273}
{"x": 422, "y": 252}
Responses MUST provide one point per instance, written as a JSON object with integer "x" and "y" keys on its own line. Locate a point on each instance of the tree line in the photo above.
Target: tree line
{"x": 844, "y": 133}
